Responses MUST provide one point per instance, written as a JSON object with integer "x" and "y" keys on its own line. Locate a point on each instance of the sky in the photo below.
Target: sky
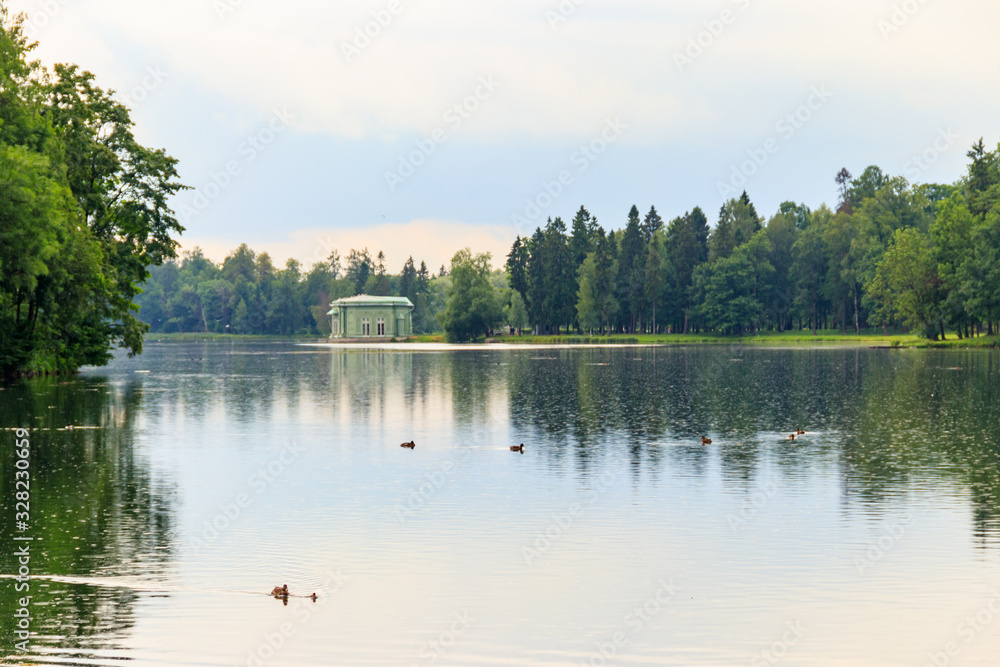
{"x": 419, "y": 127}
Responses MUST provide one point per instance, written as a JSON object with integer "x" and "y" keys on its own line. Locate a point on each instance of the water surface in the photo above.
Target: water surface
{"x": 210, "y": 472}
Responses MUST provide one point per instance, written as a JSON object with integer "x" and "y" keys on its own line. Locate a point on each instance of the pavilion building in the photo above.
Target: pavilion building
{"x": 366, "y": 316}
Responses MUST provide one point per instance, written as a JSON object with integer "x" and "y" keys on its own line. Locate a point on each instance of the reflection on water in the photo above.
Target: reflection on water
{"x": 211, "y": 472}
{"x": 95, "y": 510}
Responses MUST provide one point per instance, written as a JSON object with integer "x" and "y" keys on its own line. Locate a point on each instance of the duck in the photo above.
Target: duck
{"x": 280, "y": 591}
{"x": 792, "y": 436}
{"x": 706, "y": 441}
{"x": 312, "y": 597}
{"x": 799, "y": 432}
{"x": 517, "y": 448}
{"x": 409, "y": 445}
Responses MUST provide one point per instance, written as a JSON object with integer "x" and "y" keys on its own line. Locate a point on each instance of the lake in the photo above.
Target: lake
{"x": 200, "y": 475}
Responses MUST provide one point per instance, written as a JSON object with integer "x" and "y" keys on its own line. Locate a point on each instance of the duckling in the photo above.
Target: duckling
{"x": 280, "y": 591}
{"x": 799, "y": 432}
{"x": 409, "y": 445}
{"x": 792, "y": 436}
{"x": 518, "y": 448}
{"x": 706, "y": 441}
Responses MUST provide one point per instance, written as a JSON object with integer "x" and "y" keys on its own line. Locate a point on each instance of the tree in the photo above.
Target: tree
{"x": 359, "y": 269}
{"x": 632, "y": 270}
{"x": 517, "y": 266}
{"x": 980, "y": 273}
{"x": 724, "y": 290}
{"x": 657, "y": 279}
{"x": 808, "y": 273}
{"x": 844, "y": 270}
{"x": 474, "y": 306}
{"x": 516, "y": 313}
{"x": 651, "y": 224}
{"x": 588, "y": 309}
{"x": 952, "y": 237}
{"x": 421, "y": 321}
{"x": 982, "y": 183}
{"x": 799, "y": 213}
{"x": 83, "y": 213}
{"x": 239, "y": 266}
{"x": 408, "y": 280}
{"x": 580, "y": 241}
{"x": 687, "y": 248}
{"x": 596, "y": 303}
{"x": 906, "y": 282}
{"x": 738, "y": 222}
{"x": 535, "y": 277}
{"x": 843, "y": 180}
{"x": 550, "y": 275}
{"x": 782, "y": 232}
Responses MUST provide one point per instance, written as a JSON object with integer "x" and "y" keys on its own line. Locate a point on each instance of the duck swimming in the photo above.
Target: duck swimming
{"x": 706, "y": 441}
{"x": 280, "y": 591}
{"x": 799, "y": 432}
{"x": 518, "y": 448}
{"x": 792, "y": 436}
{"x": 409, "y": 445}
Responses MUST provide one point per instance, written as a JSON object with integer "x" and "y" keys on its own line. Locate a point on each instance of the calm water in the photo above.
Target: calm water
{"x": 217, "y": 471}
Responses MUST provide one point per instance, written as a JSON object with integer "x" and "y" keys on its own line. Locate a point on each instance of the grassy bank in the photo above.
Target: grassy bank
{"x": 770, "y": 338}
{"x": 231, "y": 337}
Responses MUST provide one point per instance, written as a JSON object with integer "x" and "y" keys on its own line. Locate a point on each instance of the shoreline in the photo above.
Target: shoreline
{"x": 797, "y": 339}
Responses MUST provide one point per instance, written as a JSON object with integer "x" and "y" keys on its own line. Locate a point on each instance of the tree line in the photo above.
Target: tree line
{"x": 893, "y": 254}
{"x": 247, "y": 294}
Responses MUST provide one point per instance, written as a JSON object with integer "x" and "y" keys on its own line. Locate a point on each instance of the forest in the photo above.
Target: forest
{"x": 247, "y": 294}
{"x": 893, "y": 255}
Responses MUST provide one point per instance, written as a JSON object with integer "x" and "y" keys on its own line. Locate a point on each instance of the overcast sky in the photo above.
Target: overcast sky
{"x": 422, "y": 126}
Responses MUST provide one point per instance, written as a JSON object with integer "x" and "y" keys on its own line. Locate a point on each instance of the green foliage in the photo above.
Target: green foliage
{"x": 247, "y": 295}
{"x": 738, "y": 222}
{"x": 474, "y": 306}
{"x": 732, "y": 290}
{"x": 907, "y": 283}
{"x": 515, "y": 313}
{"x": 83, "y": 214}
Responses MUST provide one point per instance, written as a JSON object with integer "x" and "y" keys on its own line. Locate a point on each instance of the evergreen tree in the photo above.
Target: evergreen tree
{"x": 687, "y": 248}
{"x": 560, "y": 278}
{"x": 408, "y": 280}
{"x": 536, "y": 279}
{"x": 632, "y": 270}
{"x": 517, "y": 266}
{"x": 651, "y": 224}
{"x": 581, "y": 243}
{"x": 657, "y": 279}
{"x": 359, "y": 269}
